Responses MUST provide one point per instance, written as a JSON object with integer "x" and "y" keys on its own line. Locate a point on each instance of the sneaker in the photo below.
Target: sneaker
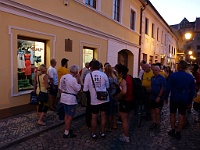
{"x": 153, "y": 126}
{"x": 102, "y": 134}
{"x": 119, "y": 120}
{"x": 172, "y": 133}
{"x": 94, "y": 136}
{"x": 178, "y": 135}
{"x": 70, "y": 135}
{"x": 124, "y": 139}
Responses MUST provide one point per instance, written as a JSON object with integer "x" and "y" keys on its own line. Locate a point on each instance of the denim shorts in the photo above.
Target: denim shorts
{"x": 70, "y": 109}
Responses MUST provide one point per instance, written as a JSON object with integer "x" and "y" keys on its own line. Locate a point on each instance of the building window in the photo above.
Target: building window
{"x": 116, "y": 12}
{"x": 153, "y": 26}
{"x": 91, "y": 3}
{"x": 165, "y": 39}
{"x": 169, "y": 49}
{"x": 88, "y": 54}
{"x": 157, "y": 34}
{"x": 144, "y": 56}
{"x": 146, "y": 25}
{"x": 198, "y": 47}
{"x": 132, "y": 20}
{"x": 162, "y": 37}
{"x": 30, "y": 55}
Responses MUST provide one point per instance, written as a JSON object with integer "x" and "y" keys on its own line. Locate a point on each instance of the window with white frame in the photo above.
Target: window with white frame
{"x": 146, "y": 25}
{"x": 116, "y": 10}
{"x": 91, "y": 3}
{"x": 132, "y": 20}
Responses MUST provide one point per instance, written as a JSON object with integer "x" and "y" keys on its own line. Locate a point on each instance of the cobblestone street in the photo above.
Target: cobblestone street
{"x": 141, "y": 138}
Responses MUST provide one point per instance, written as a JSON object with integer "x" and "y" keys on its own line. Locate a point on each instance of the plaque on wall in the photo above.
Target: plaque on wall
{"x": 68, "y": 45}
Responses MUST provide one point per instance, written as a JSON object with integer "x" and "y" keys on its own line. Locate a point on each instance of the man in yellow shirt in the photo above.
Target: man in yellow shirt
{"x": 146, "y": 81}
{"x": 146, "y": 77}
{"x": 63, "y": 69}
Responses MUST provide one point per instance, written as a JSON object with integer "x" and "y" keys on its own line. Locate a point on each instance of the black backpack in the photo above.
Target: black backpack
{"x": 139, "y": 91}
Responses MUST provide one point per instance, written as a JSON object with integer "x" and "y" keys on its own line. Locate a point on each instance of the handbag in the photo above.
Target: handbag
{"x": 33, "y": 98}
{"x": 101, "y": 95}
{"x": 42, "y": 97}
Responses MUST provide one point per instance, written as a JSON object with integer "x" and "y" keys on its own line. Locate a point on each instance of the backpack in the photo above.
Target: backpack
{"x": 139, "y": 91}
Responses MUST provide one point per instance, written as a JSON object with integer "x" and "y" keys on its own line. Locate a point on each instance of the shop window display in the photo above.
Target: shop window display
{"x": 30, "y": 56}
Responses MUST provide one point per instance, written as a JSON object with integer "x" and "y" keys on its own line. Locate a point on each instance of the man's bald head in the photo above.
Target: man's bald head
{"x": 156, "y": 70}
{"x": 146, "y": 67}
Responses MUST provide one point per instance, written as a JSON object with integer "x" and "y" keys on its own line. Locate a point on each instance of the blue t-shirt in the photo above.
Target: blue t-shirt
{"x": 182, "y": 87}
{"x": 156, "y": 84}
{"x": 113, "y": 82}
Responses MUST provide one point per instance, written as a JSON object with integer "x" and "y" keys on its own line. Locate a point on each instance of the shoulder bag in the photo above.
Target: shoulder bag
{"x": 101, "y": 95}
{"x": 33, "y": 98}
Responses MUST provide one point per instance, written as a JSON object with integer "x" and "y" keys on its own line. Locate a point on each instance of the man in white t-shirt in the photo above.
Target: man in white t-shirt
{"x": 69, "y": 86}
{"x": 101, "y": 83}
{"x": 53, "y": 77}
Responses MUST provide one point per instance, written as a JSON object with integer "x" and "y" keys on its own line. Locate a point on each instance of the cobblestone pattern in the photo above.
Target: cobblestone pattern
{"x": 17, "y": 128}
{"x": 141, "y": 138}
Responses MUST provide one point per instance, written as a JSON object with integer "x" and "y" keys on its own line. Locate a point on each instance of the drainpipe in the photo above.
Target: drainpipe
{"x": 144, "y": 4}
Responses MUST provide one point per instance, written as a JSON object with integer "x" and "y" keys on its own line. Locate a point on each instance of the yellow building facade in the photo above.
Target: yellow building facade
{"x": 33, "y": 32}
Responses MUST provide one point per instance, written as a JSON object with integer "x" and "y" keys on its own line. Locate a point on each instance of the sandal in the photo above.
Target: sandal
{"x": 114, "y": 127}
{"x": 41, "y": 124}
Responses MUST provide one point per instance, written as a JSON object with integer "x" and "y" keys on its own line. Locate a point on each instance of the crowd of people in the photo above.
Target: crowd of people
{"x": 107, "y": 93}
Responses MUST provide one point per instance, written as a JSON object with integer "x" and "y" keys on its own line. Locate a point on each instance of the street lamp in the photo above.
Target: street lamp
{"x": 190, "y": 52}
{"x": 188, "y": 35}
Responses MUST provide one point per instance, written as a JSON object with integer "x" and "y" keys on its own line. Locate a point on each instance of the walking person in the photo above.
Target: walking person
{"x": 41, "y": 84}
{"x": 53, "y": 77}
{"x": 158, "y": 86}
{"x": 182, "y": 88}
{"x": 126, "y": 99}
{"x": 69, "y": 86}
{"x": 97, "y": 81}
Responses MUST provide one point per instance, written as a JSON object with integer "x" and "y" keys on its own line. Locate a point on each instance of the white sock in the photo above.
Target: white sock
{"x": 66, "y": 132}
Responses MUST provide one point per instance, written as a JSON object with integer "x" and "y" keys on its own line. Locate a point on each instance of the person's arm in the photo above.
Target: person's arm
{"x": 107, "y": 82}
{"x": 123, "y": 89}
{"x": 192, "y": 91}
{"x": 86, "y": 83}
{"x": 77, "y": 83}
{"x": 76, "y": 86}
{"x": 50, "y": 74}
{"x": 45, "y": 78}
{"x": 60, "y": 90}
{"x": 160, "y": 94}
{"x": 168, "y": 89}
{"x": 35, "y": 82}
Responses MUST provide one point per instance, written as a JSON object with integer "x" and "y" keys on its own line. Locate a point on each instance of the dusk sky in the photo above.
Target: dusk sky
{"x": 173, "y": 11}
